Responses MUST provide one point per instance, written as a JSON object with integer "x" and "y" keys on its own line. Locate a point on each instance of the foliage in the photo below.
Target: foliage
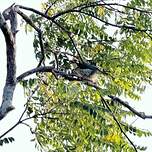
{"x": 6, "y": 140}
{"x": 118, "y": 39}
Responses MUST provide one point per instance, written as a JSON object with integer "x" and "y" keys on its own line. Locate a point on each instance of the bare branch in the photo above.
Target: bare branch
{"x": 16, "y": 124}
{"x": 10, "y": 14}
{"x": 139, "y": 114}
{"x": 38, "y": 69}
{"x": 10, "y": 40}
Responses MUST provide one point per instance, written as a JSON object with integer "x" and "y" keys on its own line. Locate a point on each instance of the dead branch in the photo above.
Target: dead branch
{"x": 10, "y": 40}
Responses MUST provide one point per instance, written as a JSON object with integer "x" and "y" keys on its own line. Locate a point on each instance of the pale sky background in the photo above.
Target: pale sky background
{"x": 26, "y": 61}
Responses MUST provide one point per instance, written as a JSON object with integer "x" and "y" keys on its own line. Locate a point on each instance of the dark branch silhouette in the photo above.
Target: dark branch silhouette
{"x": 125, "y": 104}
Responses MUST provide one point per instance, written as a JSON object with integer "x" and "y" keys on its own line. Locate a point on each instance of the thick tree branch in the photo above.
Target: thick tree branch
{"x": 70, "y": 77}
{"x": 38, "y": 69}
{"x": 10, "y": 40}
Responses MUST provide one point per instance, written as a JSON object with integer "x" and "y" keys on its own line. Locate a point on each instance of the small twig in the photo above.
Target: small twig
{"x": 56, "y": 60}
{"x": 9, "y": 130}
{"x": 114, "y": 9}
{"x": 23, "y": 120}
{"x": 30, "y": 96}
{"x": 106, "y": 104}
{"x": 27, "y": 125}
{"x": 42, "y": 48}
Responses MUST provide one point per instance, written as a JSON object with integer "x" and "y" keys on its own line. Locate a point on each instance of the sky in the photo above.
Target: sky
{"x": 26, "y": 61}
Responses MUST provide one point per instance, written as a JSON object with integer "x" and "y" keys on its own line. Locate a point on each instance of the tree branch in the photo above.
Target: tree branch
{"x": 30, "y": 22}
{"x": 70, "y": 77}
{"x": 10, "y": 40}
{"x": 79, "y": 9}
{"x": 96, "y": 4}
{"x": 49, "y": 7}
{"x": 115, "y": 25}
{"x": 125, "y": 104}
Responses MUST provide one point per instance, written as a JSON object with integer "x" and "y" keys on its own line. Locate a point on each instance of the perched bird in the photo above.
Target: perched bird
{"x": 86, "y": 70}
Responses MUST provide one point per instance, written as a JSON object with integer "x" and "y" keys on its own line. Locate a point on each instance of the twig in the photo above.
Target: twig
{"x": 9, "y": 130}
{"x": 22, "y": 121}
{"x": 149, "y": 35}
{"x": 30, "y": 96}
